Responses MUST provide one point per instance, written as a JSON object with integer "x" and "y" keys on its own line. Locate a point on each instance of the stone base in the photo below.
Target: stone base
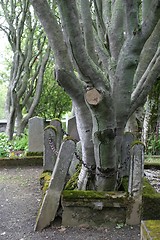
{"x": 150, "y": 230}
{"x": 89, "y": 208}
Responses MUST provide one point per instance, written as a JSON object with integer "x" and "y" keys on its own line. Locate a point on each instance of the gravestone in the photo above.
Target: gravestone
{"x": 59, "y": 136}
{"x": 128, "y": 139}
{"x": 135, "y": 185}
{"x": 51, "y": 199}
{"x": 50, "y": 151}
{"x": 72, "y": 128}
{"x": 36, "y": 132}
{"x": 3, "y": 124}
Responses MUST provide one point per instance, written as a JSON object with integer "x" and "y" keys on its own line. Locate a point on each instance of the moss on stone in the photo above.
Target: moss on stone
{"x": 136, "y": 142}
{"x": 56, "y": 119}
{"x": 34, "y": 153}
{"x": 68, "y": 138}
{"x": 150, "y": 165}
{"x": 52, "y": 127}
{"x": 147, "y": 188}
{"x": 45, "y": 178}
{"x": 151, "y": 202}
{"x": 89, "y": 194}
{"x": 153, "y": 226}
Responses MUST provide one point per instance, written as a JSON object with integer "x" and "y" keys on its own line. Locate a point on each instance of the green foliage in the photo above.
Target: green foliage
{"x": 54, "y": 102}
{"x": 20, "y": 143}
{"x": 5, "y": 145}
{"x": 153, "y": 145}
{"x": 17, "y": 144}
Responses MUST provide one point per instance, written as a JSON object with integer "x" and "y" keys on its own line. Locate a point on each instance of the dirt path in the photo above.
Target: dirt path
{"x": 20, "y": 197}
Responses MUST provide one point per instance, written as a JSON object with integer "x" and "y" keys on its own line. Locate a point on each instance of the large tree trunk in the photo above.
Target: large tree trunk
{"x": 104, "y": 138}
{"x": 98, "y": 54}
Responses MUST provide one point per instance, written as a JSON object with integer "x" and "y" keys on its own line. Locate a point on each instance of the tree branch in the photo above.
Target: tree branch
{"x": 146, "y": 82}
{"x": 147, "y": 53}
{"x": 151, "y": 20}
{"x": 131, "y": 16}
{"x": 57, "y": 43}
{"x": 92, "y": 72}
{"x": 116, "y": 30}
{"x": 88, "y": 29}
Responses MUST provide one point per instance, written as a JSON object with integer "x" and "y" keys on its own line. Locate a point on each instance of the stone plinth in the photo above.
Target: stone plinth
{"x": 150, "y": 230}
{"x": 90, "y": 208}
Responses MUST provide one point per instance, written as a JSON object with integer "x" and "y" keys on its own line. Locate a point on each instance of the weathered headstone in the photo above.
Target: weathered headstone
{"x": 36, "y": 132}
{"x": 72, "y": 128}
{"x": 58, "y": 126}
{"x": 51, "y": 199}
{"x": 128, "y": 139}
{"x": 50, "y": 151}
{"x": 135, "y": 185}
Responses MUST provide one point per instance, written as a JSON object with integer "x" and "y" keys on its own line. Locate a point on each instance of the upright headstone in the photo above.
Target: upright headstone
{"x": 59, "y": 136}
{"x": 50, "y": 151}
{"x": 72, "y": 128}
{"x": 135, "y": 185}
{"x": 128, "y": 139}
{"x": 36, "y": 133}
{"x": 51, "y": 199}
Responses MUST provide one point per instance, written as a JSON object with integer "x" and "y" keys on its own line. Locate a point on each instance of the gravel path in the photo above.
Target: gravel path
{"x": 19, "y": 202}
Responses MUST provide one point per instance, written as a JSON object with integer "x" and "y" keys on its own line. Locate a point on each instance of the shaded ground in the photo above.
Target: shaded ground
{"x": 20, "y": 197}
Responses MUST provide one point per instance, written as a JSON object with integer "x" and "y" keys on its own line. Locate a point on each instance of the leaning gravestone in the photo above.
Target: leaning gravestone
{"x": 36, "y": 131}
{"x": 50, "y": 151}
{"x": 51, "y": 199}
{"x": 135, "y": 185}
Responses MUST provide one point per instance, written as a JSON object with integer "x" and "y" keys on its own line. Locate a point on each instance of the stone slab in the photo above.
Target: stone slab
{"x": 20, "y": 162}
{"x": 51, "y": 199}
{"x": 102, "y": 209}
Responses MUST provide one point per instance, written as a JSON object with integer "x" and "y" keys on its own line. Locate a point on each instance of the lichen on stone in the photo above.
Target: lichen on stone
{"x": 45, "y": 178}
{"x": 52, "y": 127}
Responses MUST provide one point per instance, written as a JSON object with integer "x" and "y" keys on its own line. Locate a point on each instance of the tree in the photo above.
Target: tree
{"x": 107, "y": 59}
{"x": 151, "y": 129}
{"x": 30, "y": 55}
{"x": 2, "y": 99}
{"x": 54, "y": 102}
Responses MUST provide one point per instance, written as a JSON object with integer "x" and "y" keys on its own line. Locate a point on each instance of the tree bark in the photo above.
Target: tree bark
{"x": 98, "y": 63}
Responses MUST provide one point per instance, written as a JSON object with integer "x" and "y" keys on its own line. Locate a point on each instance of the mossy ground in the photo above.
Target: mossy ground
{"x": 151, "y": 228}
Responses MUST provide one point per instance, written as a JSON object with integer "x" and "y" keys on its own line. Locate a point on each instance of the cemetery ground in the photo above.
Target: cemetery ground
{"x": 19, "y": 203}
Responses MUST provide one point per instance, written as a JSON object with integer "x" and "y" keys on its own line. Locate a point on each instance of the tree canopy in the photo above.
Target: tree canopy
{"x": 30, "y": 55}
{"x": 107, "y": 58}
{"x": 54, "y": 102}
